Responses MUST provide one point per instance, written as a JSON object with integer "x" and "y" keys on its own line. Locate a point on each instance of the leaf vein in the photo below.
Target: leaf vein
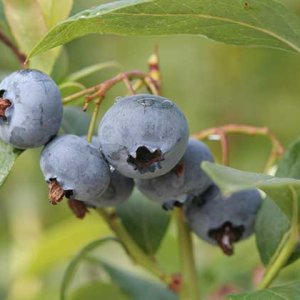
{"x": 262, "y": 30}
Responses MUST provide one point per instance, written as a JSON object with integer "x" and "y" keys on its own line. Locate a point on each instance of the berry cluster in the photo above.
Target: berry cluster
{"x": 142, "y": 139}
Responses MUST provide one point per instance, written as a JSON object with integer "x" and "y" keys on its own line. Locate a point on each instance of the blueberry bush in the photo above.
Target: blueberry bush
{"x": 176, "y": 182}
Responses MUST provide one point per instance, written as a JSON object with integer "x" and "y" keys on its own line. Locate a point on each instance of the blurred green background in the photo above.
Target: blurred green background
{"x": 214, "y": 84}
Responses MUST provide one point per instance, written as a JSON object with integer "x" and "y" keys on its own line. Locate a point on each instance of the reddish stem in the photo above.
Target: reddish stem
{"x": 19, "y": 55}
{"x": 100, "y": 90}
{"x": 277, "y": 148}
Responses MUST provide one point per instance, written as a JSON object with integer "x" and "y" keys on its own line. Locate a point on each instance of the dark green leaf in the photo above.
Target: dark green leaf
{"x": 272, "y": 223}
{"x": 8, "y": 155}
{"x": 145, "y": 221}
{"x": 75, "y": 121}
{"x": 279, "y": 189}
{"x": 70, "y": 272}
{"x": 97, "y": 290}
{"x": 289, "y": 165}
{"x": 265, "y": 23}
{"x": 286, "y": 292}
{"x": 270, "y": 226}
{"x": 136, "y": 287}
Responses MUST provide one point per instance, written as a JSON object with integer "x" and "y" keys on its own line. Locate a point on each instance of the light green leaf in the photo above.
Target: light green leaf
{"x": 278, "y": 189}
{"x": 145, "y": 221}
{"x": 136, "y": 287}
{"x": 63, "y": 241}
{"x": 289, "y": 291}
{"x": 28, "y": 24}
{"x": 270, "y": 216}
{"x": 55, "y": 10}
{"x": 98, "y": 290}
{"x": 265, "y": 23}
{"x": 73, "y": 266}
{"x": 75, "y": 121}
{"x": 8, "y": 155}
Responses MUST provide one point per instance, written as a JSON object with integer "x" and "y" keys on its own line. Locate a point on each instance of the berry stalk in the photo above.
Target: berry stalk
{"x": 135, "y": 252}
{"x": 189, "y": 289}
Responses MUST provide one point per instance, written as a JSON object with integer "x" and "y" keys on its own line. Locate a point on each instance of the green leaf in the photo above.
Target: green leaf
{"x": 289, "y": 291}
{"x": 136, "y": 287}
{"x": 97, "y": 290}
{"x": 75, "y": 121}
{"x": 270, "y": 216}
{"x": 28, "y": 23}
{"x": 289, "y": 165}
{"x": 145, "y": 221}
{"x": 8, "y": 155}
{"x": 265, "y": 23}
{"x": 55, "y": 10}
{"x": 270, "y": 226}
{"x": 278, "y": 189}
{"x": 73, "y": 266}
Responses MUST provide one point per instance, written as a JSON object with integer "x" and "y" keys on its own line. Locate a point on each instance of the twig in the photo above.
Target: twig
{"x": 94, "y": 119}
{"x": 154, "y": 70}
{"x": 100, "y": 90}
{"x": 277, "y": 148}
{"x": 19, "y": 55}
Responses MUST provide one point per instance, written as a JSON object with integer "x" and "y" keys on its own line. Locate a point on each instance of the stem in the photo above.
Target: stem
{"x": 19, "y": 55}
{"x": 288, "y": 245}
{"x": 189, "y": 289}
{"x": 154, "y": 70}
{"x": 94, "y": 119}
{"x": 100, "y": 90}
{"x": 136, "y": 253}
{"x": 277, "y": 148}
{"x": 225, "y": 147}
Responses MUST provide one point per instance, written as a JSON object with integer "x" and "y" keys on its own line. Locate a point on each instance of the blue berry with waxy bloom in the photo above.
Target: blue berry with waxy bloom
{"x": 221, "y": 220}
{"x": 118, "y": 191}
{"x": 30, "y": 109}
{"x": 143, "y": 136}
{"x": 75, "y": 169}
{"x": 185, "y": 180}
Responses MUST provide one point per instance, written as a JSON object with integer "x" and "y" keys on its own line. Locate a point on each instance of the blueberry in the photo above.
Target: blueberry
{"x": 75, "y": 169}
{"x": 222, "y": 220}
{"x": 30, "y": 109}
{"x": 143, "y": 136}
{"x": 118, "y": 191}
{"x": 186, "y": 179}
